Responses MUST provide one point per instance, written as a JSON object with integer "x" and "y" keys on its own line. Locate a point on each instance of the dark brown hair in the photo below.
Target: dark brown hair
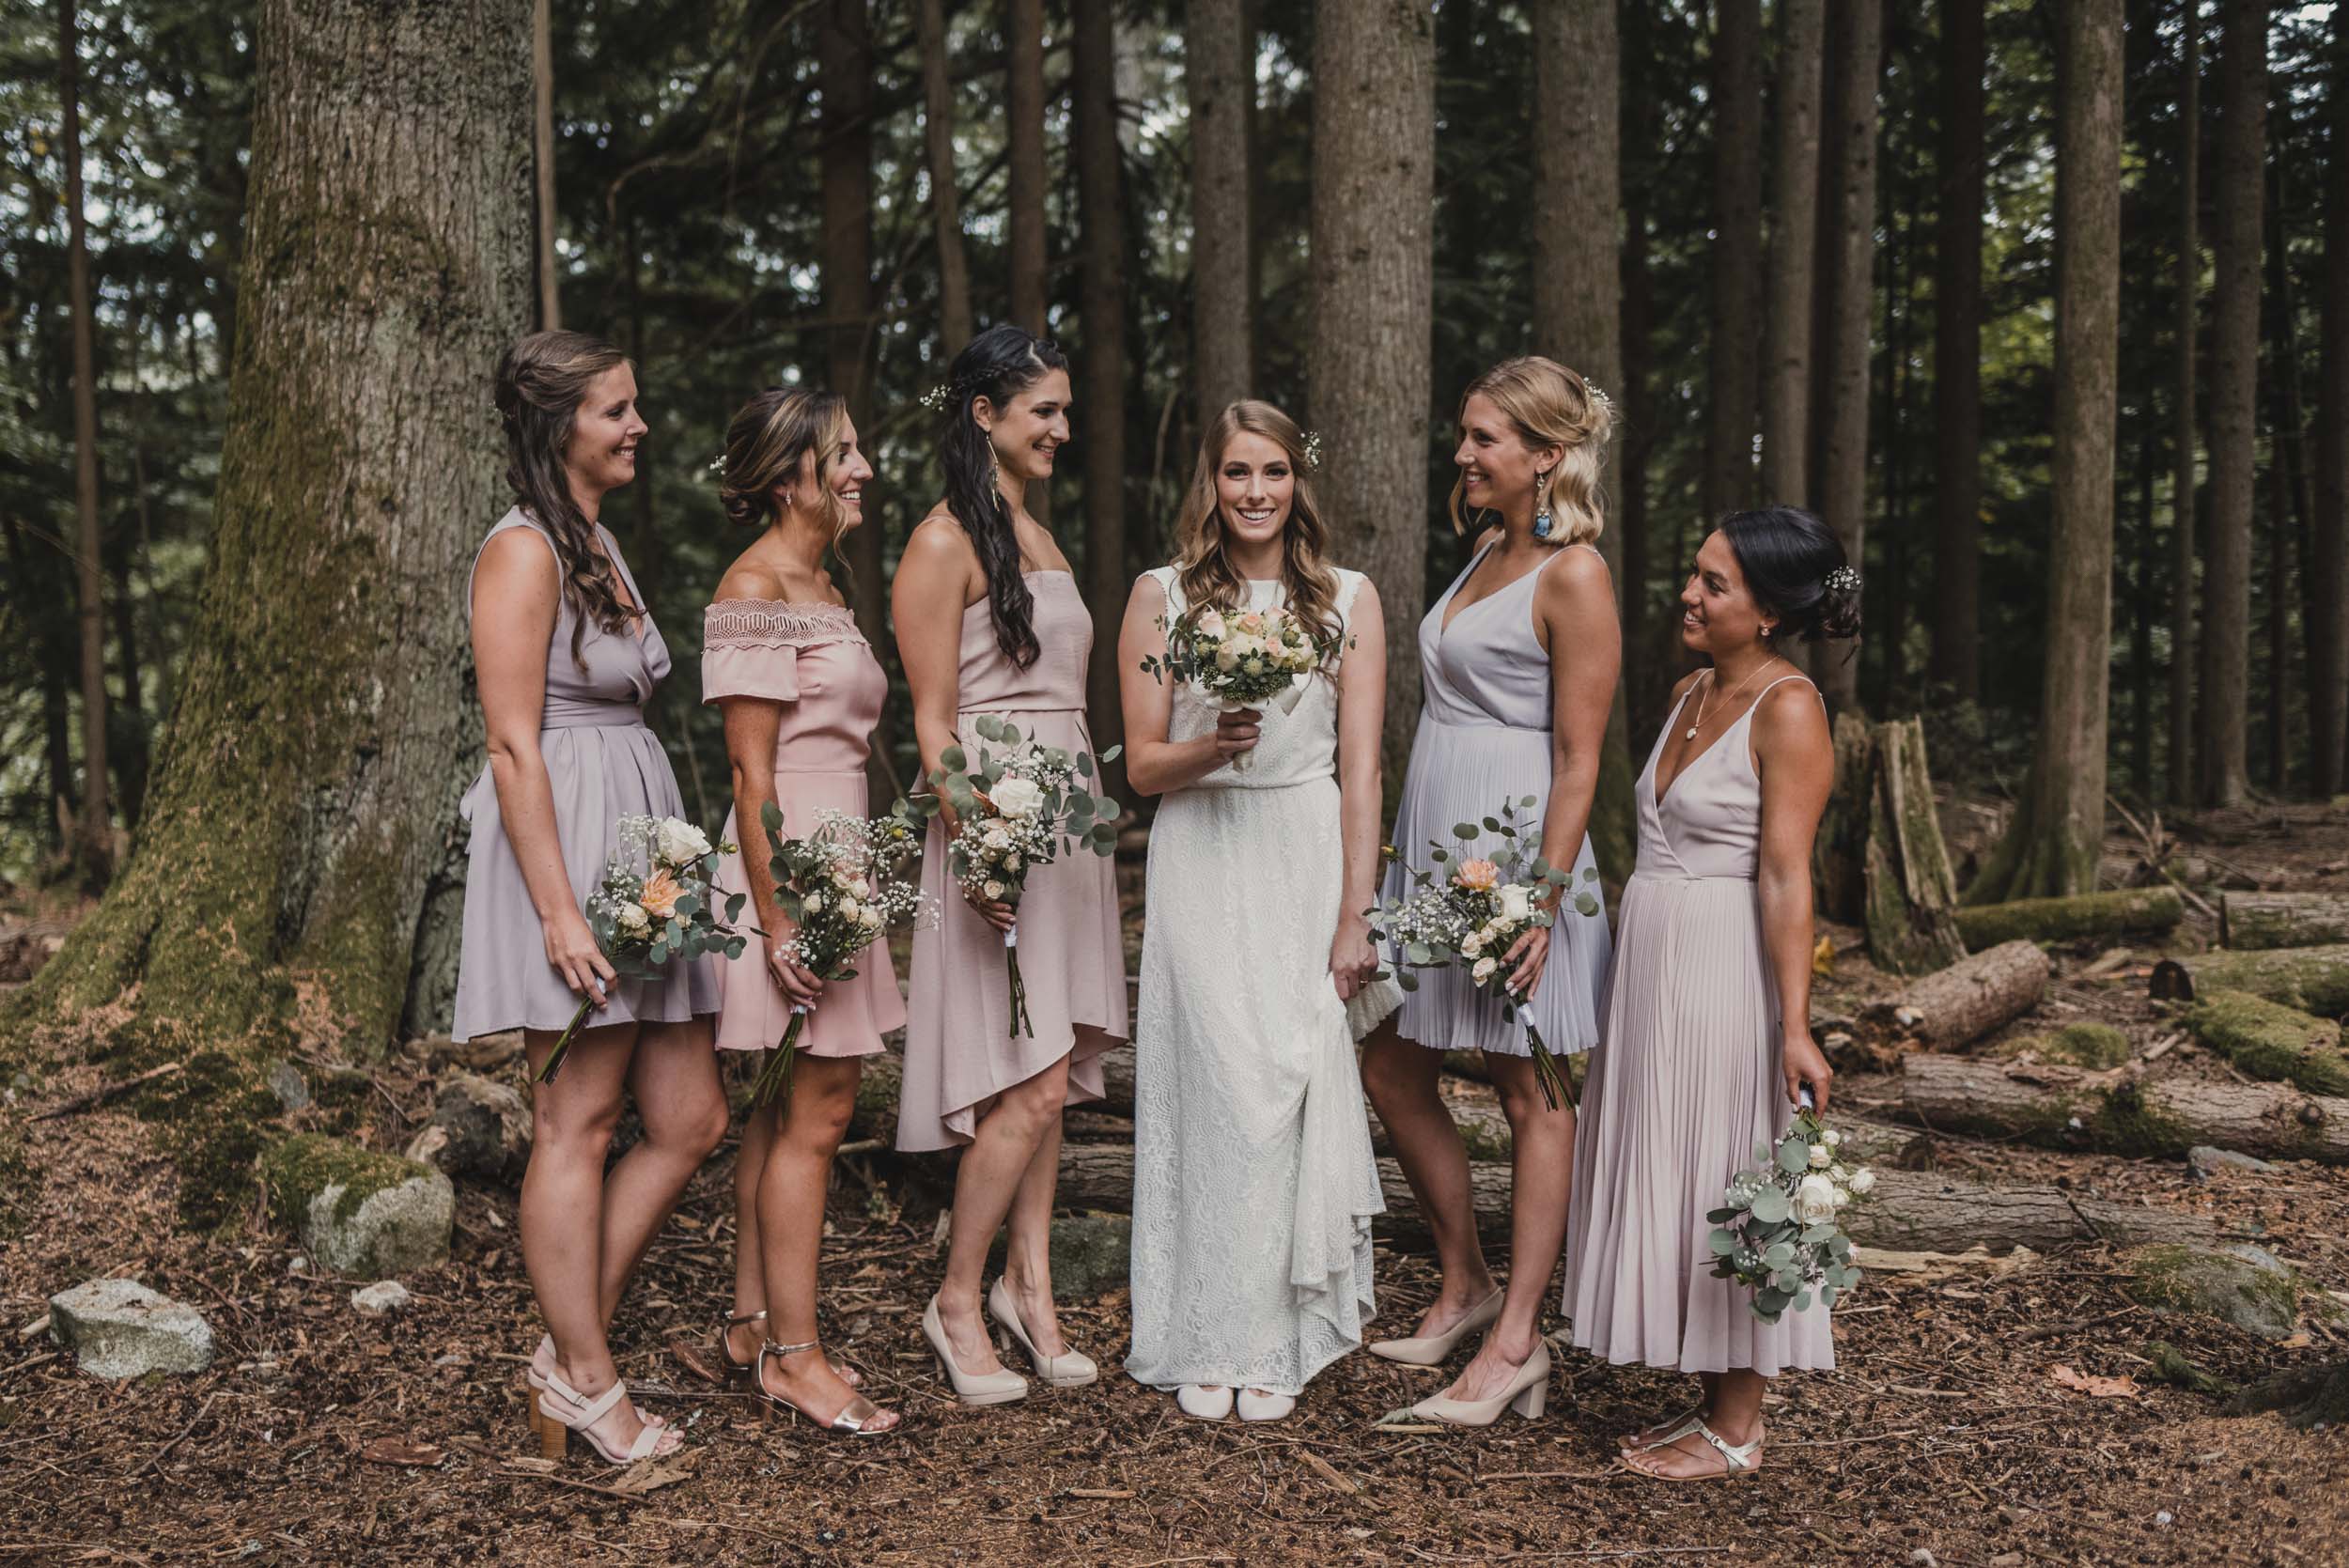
{"x": 541, "y": 382}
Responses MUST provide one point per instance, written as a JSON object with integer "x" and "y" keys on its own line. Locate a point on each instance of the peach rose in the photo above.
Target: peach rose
{"x": 660, "y": 894}
{"x": 1481, "y": 875}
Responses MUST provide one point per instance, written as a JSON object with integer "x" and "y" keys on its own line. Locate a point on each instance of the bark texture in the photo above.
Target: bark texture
{"x": 2161, "y": 1118}
{"x": 1842, "y": 486}
{"x": 93, "y": 835}
{"x": 1024, "y": 136}
{"x": 1220, "y": 78}
{"x": 2185, "y": 440}
{"x": 2313, "y": 979}
{"x": 1794, "y": 243}
{"x": 542, "y": 160}
{"x": 2225, "y": 619}
{"x": 1737, "y": 97}
{"x": 2328, "y": 552}
{"x": 1101, "y": 369}
{"x": 1970, "y": 998}
{"x": 2051, "y": 848}
{"x": 305, "y": 799}
{"x": 2265, "y": 920}
{"x": 1957, "y": 359}
{"x": 1373, "y": 121}
{"x": 937, "y": 145}
{"x": 2147, "y": 910}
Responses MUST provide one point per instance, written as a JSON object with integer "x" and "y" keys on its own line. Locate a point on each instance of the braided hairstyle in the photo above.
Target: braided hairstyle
{"x": 998, "y": 365}
{"x": 541, "y": 382}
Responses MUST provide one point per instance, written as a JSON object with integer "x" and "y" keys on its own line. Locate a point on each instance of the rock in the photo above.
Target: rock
{"x": 1090, "y": 1254}
{"x": 286, "y": 1082}
{"x": 120, "y": 1328}
{"x": 2205, "y": 1160}
{"x": 381, "y": 1298}
{"x": 361, "y": 1212}
{"x": 2237, "y": 1284}
{"x": 488, "y": 1127}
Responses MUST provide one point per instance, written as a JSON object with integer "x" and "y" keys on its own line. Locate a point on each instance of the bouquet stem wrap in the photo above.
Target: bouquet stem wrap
{"x": 1020, "y": 1023}
{"x": 774, "y": 1074}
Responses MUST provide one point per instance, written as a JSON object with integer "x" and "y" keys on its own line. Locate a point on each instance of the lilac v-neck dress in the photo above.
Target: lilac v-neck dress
{"x": 603, "y": 764}
{"x": 1484, "y": 740}
{"x": 1685, "y": 1085}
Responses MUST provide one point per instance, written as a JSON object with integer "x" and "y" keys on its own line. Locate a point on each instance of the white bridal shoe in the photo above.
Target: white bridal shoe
{"x": 1000, "y": 1387}
{"x": 1205, "y": 1405}
{"x": 1527, "y": 1392}
{"x": 1067, "y": 1370}
{"x": 1430, "y": 1350}
{"x": 1257, "y": 1407}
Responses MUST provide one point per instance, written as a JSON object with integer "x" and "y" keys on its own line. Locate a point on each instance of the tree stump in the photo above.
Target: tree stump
{"x": 1879, "y": 861}
{"x": 2255, "y": 921}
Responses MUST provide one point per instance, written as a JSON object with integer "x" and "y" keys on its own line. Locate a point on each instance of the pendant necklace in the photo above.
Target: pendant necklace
{"x": 1690, "y": 733}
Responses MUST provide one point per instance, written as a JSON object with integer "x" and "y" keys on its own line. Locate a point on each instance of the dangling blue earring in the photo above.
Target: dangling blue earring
{"x": 1544, "y": 525}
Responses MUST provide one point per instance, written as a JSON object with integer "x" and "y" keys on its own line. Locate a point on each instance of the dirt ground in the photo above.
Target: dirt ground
{"x": 1944, "y": 1438}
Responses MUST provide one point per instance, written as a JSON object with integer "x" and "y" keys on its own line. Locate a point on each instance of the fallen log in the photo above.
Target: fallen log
{"x": 2269, "y": 1040}
{"x": 2110, "y": 1113}
{"x": 1913, "y": 1211}
{"x": 2256, "y": 920}
{"x": 1970, "y": 998}
{"x": 2313, "y": 979}
{"x": 2149, "y": 911}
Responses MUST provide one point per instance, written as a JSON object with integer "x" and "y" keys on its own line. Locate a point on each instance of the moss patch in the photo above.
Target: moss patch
{"x": 2238, "y": 1285}
{"x": 300, "y": 1168}
{"x": 213, "y": 1118}
{"x": 2055, "y": 920}
{"x": 2080, "y": 1044}
{"x": 2125, "y": 1123}
{"x": 2269, "y": 1040}
{"x": 2174, "y": 1366}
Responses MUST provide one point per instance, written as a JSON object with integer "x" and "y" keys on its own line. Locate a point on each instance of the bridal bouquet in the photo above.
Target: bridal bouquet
{"x": 1472, "y": 909}
{"x": 1017, "y": 811}
{"x": 642, "y": 919}
{"x": 1250, "y": 659}
{"x": 1778, "y": 1231}
{"x": 842, "y": 885}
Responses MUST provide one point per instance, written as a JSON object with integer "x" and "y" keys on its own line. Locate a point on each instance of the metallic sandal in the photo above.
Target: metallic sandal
{"x": 845, "y": 1423}
{"x": 1737, "y": 1458}
{"x": 727, "y": 1320}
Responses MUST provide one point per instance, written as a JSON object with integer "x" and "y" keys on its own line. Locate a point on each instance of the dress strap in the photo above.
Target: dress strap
{"x": 1772, "y": 687}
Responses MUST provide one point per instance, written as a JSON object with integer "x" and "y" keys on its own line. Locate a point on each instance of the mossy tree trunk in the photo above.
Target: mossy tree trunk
{"x": 1735, "y": 350}
{"x": 1856, "y": 37}
{"x": 1102, "y": 366}
{"x": 1878, "y": 860}
{"x": 2157, "y": 1118}
{"x": 2051, "y": 848}
{"x": 2182, "y": 629}
{"x": 305, "y": 800}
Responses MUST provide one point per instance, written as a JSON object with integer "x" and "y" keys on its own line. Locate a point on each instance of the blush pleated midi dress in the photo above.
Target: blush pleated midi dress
{"x": 811, "y": 662}
{"x": 1685, "y": 1084}
{"x": 1484, "y": 740}
{"x": 603, "y": 764}
{"x": 960, "y": 1052}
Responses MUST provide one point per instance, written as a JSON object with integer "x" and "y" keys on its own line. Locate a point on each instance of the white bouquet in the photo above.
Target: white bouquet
{"x": 1252, "y": 658}
{"x": 1780, "y": 1230}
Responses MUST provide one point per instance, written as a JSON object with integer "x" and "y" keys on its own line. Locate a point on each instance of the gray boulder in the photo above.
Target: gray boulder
{"x": 361, "y": 1212}
{"x": 2238, "y": 1284}
{"x": 1090, "y": 1254}
{"x": 120, "y": 1328}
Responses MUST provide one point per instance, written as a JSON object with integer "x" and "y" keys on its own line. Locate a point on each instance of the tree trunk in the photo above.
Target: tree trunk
{"x": 2288, "y": 504}
{"x": 1220, "y": 77}
{"x": 938, "y": 142}
{"x": 1736, "y": 243}
{"x": 93, "y": 838}
{"x": 1970, "y": 998}
{"x": 2051, "y": 845}
{"x": 2248, "y": 920}
{"x": 1912, "y": 891}
{"x": 2182, "y": 484}
{"x": 2329, "y": 553}
{"x": 1858, "y": 43}
{"x": 2226, "y": 618}
{"x": 542, "y": 161}
{"x": 1372, "y": 312}
{"x": 1101, "y": 369}
{"x": 2157, "y": 1118}
{"x": 1793, "y": 240}
{"x": 2142, "y": 555}
{"x": 279, "y": 882}
{"x": 1647, "y": 664}
{"x": 2313, "y": 979}
{"x": 1957, "y": 360}
{"x": 1024, "y": 140}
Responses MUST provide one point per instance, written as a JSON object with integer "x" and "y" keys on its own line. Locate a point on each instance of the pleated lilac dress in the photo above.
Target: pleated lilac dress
{"x": 603, "y": 764}
{"x": 1685, "y": 1084}
{"x": 810, "y": 660}
{"x": 960, "y": 1052}
{"x": 1484, "y": 740}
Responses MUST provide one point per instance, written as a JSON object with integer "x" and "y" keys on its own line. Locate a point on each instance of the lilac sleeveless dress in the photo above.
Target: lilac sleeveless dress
{"x": 603, "y": 764}
{"x": 1483, "y": 740}
{"x": 810, "y": 660}
{"x": 1684, "y": 1087}
{"x": 959, "y": 1049}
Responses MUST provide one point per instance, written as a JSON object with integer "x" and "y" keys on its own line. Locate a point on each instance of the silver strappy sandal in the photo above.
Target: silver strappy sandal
{"x": 1737, "y": 1459}
{"x": 844, "y": 1423}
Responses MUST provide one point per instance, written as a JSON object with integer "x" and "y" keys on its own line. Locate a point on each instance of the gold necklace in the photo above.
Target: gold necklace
{"x": 1690, "y": 733}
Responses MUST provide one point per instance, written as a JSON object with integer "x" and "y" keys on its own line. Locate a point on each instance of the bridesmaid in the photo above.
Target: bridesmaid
{"x": 1518, "y": 660}
{"x": 801, "y": 690}
{"x": 989, "y": 622}
{"x": 566, "y": 658}
{"x": 1708, "y": 1021}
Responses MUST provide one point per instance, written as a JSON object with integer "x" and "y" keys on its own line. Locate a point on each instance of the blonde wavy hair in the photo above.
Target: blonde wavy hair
{"x": 1551, "y": 406}
{"x": 1203, "y": 562}
{"x": 764, "y": 442}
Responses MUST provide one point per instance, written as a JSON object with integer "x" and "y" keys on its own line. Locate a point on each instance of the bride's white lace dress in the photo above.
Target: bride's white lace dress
{"x": 1254, "y": 1180}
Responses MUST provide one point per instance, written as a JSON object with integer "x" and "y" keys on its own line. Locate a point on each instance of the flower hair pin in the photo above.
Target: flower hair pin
{"x": 1598, "y": 394}
{"x": 718, "y": 465}
{"x": 1310, "y": 447}
{"x": 1842, "y": 580}
{"x": 938, "y": 397}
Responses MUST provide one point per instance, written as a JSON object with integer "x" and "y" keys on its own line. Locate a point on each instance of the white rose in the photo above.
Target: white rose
{"x": 993, "y": 891}
{"x": 1227, "y": 657}
{"x": 632, "y": 918}
{"x": 847, "y": 909}
{"x": 1843, "y": 1195}
{"x": 1209, "y": 623}
{"x": 1011, "y": 862}
{"x": 1472, "y": 947}
{"x": 1516, "y": 903}
{"x": 997, "y": 836}
{"x": 870, "y": 918}
{"x": 1019, "y": 799}
{"x": 1483, "y": 969}
{"x": 1863, "y": 1182}
{"x": 813, "y": 903}
{"x": 1831, "y": 1138}
{"x": 1821, "y": 1156}
{"x": 681, "y": 841}
{"x": 1815, "y": 1201}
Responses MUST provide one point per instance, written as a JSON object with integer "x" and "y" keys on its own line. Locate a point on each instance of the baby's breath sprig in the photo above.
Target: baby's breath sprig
{"x": 1312, "y": 451}
{"x": 718, "y": 465}
{"x": 1598, "y": 396}
{"x": 938, "y": 397}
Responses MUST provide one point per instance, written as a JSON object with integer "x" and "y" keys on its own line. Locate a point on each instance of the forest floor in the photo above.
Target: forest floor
{"x": 1951, "y": 1433}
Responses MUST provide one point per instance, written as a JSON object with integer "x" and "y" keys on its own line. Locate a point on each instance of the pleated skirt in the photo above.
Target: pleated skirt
{"x": 1461, "y": 773}
{"x": 1685, "y": 1084}
{"x": 600, "y": 774}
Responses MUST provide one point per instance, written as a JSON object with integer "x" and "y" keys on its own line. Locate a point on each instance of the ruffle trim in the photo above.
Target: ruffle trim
{"x": 765, "y": 623}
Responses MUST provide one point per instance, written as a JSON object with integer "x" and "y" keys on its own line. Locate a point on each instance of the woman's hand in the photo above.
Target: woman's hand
{"x": 571, "y": 950}
{"x": 993, "y": 910}
{"x": 1805, "y": 1067}
{"x": 1529, "y": 955}
{"x": 1352, "y": 960}
{"x": 1235, "y": 732}
{"x": 800, "y": 984}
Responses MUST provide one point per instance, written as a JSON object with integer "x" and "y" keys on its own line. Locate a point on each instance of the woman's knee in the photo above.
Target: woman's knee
{"x": 574, "y": 1125}
{"x": 1396, "y": 1073}
{"x": 821, "y": 1115}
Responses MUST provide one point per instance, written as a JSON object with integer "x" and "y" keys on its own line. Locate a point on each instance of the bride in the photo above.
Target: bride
{"x": 1254, "y": 1181}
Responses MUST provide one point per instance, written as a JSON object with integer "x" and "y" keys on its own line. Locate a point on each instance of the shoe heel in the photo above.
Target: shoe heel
{"x": 530, "y": 1409}
{"x": 555, "y": 1438}
{"x": 1531, "y": 1403}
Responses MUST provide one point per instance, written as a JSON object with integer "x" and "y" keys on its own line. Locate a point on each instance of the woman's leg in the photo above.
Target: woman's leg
{"x": 750, "y": 1284}
{"x": 1541, "y": 1170}
{"x": 792, "y": 1189}
{"x": 1708, "y": 1396}
{"x": 1028, "y": 1246}
{"x": 987, "y": 1181}
{"x": 1400, "y": 1078}
{"x": 1736, "y": 1415}
{"x": 678, "y": 1099}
